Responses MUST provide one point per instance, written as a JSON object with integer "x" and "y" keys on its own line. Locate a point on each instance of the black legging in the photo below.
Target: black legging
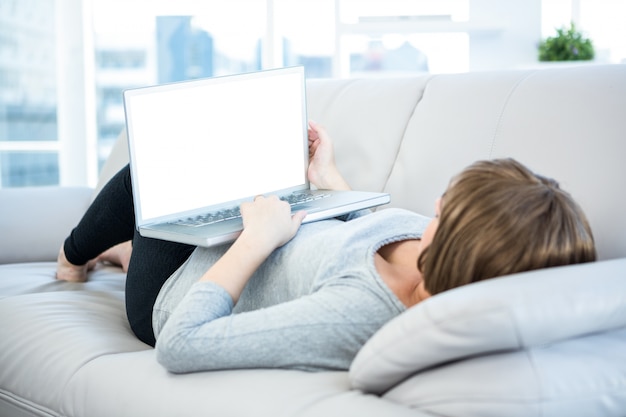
{"x": 111, "y": 220}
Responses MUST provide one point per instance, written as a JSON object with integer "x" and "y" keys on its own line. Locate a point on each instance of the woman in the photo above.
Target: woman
{"x": 308, "y": 298}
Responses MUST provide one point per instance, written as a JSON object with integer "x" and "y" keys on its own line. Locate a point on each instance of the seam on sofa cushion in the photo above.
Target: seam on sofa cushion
{"x": 22, "y": 403}
{"x": 504, "y": 108}
{"x": 404, "y": 129}
{"x": 538, "y": 382}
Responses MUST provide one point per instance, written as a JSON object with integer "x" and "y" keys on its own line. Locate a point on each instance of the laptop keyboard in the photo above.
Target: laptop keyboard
{"x": 233, "y": 213}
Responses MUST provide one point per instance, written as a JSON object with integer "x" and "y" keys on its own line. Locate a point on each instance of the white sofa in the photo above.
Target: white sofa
{"x": 544, "y": 343}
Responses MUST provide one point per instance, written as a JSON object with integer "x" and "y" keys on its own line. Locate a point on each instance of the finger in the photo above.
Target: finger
{"x": 313, "y": 129}
{"x": 311, "y": 150}
{"x": 298, "y": 217}
{"x": 317, "y": 128}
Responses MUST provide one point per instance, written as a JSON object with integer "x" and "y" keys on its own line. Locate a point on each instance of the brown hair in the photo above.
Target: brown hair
{"x": 498, "y": 218}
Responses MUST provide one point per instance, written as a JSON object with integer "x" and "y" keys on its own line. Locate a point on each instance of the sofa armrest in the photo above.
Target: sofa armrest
{"x": 34, "y": 221}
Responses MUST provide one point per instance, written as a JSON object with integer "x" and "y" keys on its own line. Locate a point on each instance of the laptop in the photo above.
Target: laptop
{"x": 200, "y": 148}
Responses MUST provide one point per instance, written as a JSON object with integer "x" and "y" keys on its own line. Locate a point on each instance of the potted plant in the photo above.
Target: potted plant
{"x": 569, "y": 44}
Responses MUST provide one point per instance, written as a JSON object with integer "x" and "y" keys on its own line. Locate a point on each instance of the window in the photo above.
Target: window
{"x": 144, "y": 42}
{"x": 401, "y": 37}
{"x": 28, "y": 105}
{"x": 29, "y": 168}
{"x": 304, "y": 33}
{"x": 120, "y": 59}
{"x": 58, "y": 126}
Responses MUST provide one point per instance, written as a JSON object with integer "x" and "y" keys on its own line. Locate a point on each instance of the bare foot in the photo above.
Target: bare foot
{"x": 70, "y": 272}
{"x": 118, "y": 255}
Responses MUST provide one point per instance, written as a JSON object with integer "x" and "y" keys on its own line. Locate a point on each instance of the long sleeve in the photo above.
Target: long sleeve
{"x": 324, "y": 330}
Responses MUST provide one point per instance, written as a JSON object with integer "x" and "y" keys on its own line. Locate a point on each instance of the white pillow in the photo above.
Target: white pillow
{"x": 472, "y": 345}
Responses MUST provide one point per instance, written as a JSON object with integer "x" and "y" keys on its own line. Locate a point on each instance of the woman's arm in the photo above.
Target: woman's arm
{"x": 323, "y": 330}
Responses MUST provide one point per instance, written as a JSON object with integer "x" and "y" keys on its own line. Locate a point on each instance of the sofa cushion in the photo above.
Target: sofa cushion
{"x": 579, "y": 377}
{"x": 38, "y": 277}
{"x": 480, "y": 331}
{"x": 367, "y": 121}
{"x": 51, "y": 328}
{"x": 36, "y": 220}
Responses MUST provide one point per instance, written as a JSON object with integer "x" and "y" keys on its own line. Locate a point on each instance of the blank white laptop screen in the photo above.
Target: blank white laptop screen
{"x": 215, "y": 140}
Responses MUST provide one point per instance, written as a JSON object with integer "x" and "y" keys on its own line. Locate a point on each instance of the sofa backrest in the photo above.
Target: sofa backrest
{"x": 410, "y": 135}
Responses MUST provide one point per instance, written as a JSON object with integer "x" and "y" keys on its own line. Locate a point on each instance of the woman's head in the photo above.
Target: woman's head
{"x": 498, "y": 218}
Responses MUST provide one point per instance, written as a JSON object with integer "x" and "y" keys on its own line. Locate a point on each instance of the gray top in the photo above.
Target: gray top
{"x": 311, "y": 305}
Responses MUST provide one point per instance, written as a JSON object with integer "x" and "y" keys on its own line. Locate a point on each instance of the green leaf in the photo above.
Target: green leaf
{"x": 569, "y": 44}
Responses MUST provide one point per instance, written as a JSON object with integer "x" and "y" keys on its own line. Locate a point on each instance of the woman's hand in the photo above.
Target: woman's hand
{"x": 323, "y": 172}
{"x": 267, "y": 225}
{"x": 268, "y": 222}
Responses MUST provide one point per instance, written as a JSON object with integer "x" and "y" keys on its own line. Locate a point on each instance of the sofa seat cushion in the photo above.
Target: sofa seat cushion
{"x": 52, "y": 328}
{"x": 451, "y": 354}
{"x": 262, "y": 392}
{"x": 67, "y": 349}
{"x": 38, "y": 277}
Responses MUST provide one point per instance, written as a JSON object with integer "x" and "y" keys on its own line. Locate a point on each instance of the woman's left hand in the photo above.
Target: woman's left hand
{"x": 323, "y": 172}
{"x": 267, "y": 225}
{"x": 268, "y": 222}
